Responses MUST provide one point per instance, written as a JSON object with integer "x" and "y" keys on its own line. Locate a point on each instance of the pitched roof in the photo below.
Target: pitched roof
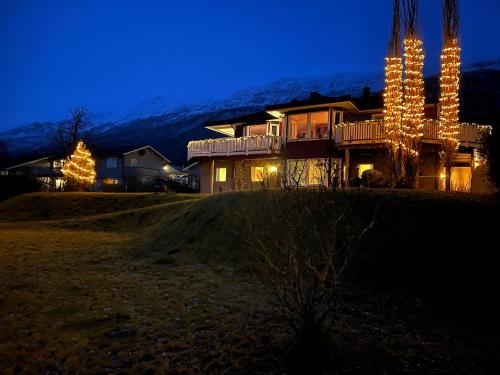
{"x": 106, "y": 152}
{"x": 314, "y": 99}
{"x": 251, "y": 119}
{"x": 29, "y": 162}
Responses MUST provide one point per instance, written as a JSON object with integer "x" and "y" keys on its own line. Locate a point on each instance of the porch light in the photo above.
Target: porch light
{"x": 273, "y": 169}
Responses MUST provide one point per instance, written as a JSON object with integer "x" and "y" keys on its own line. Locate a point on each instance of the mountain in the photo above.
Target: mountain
{"x": 169, "y": 128}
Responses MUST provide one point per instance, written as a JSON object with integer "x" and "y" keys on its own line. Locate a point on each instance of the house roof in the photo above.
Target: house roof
{"x": 29, "y": 162}
{"x": 107, "y": 152}
{"x": 313, "y": 100}
{"x": 251, "y": 119}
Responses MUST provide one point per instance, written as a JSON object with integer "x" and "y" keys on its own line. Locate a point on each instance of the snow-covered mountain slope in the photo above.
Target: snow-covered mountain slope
{"x": 169, "y": 128}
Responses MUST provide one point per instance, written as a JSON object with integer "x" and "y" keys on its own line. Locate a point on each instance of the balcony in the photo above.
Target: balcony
{"x": 366, "y": 132}
{"x": 256, "y": 145}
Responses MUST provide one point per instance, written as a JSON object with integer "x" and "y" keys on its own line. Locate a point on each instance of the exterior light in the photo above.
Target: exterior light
{"x": 273, "y": 169}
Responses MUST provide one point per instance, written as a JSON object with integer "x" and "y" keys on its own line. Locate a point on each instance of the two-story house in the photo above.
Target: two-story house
{"x": 324, "y": 139}
{"x": 131, "y": 165}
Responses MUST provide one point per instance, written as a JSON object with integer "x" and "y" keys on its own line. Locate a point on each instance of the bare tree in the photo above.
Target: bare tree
{"x": 70, "y": 131}
{"x": 301, "y": 250}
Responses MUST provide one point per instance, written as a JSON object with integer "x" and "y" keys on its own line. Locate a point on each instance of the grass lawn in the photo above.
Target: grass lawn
{"x": 159, "y": 283}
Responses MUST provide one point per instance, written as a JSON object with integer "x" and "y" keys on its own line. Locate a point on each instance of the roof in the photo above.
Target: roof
{"x": 29, "y": 162}
{"x": 314, "y": 99}
{"x": 251, "y": 119}
{"x": 102, "y": 153}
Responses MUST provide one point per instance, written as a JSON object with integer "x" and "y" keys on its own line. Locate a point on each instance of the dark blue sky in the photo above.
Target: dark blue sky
{"x": 114, "y": 54}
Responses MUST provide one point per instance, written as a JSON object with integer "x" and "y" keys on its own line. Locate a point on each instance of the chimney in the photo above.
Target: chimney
{"x": 366, "y": 92}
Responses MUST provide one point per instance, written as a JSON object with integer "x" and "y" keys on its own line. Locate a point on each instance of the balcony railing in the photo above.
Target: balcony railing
{"x": 234, "y": 146}
{"x": 374, "y": 132}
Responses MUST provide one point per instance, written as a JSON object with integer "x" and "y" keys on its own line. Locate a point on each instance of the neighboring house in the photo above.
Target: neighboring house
{"x": 128, "y": 166}
{"x": 46, "y": 170}
{"x": 345, "y": 133}
{"x": 115, "y": 167}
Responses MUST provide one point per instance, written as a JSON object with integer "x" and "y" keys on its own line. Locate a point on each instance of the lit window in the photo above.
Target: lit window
{"x": 296, "y": 172}
{"x": 110, "y": 181}
{"x": 255, "y": 130}
{"x": 58, "y": 163}
{"x": 257, "y": 174}
{"x": 319, "y": 124}
{"x": 111, "y": 162}
{"x": 364, "y": 167}
{"x": 298, "y": 126}
{"x": 133, "y": 162}
{"x": 274, "y": 129}
{"x": 317, "y": 173}
{"x": 220, "y": 174}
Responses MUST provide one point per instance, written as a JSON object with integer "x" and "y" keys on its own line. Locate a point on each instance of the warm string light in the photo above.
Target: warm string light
{"x": 80, "y": 167}
{"x": 393, "y": 99}
{"x": 449, "y": 129}
{"x": 414, "y": 99}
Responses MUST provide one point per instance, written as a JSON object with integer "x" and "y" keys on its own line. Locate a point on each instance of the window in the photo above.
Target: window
{"x": 317, "y": 175}
{"x": 298, "y": 126}
{"x": 133, "y": 162}
{"x": 58, "y": 163}
{"x": 319, "y": 125}
{"x": 220, "y": 174}
{"x": 255, "y": 130}
{"x": 314, "y": 125}
{"x": 274, "y": 129}
{"x": 296, "y": 173}
{"x": 110, "y": 181}
{"x": 364, "y": 167}
{"x": 257, "y": 174}
{"x": 111, "y": 162}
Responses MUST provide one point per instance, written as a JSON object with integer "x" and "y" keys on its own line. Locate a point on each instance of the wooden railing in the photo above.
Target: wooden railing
{"x": 234, "y": 146}
{"x": 374, "y": 132}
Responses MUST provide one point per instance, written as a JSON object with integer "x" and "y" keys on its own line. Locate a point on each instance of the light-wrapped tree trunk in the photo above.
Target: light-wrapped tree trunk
{"x": 449, "y": 86}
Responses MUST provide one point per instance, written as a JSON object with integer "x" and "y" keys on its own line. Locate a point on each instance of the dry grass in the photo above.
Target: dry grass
{"x": 160, "y": 285}
{"x": 74, "y": 298}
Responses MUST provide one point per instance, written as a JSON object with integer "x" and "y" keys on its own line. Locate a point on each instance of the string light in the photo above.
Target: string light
{"x": 79, "y": 168}
{"x": 414, "y": 99}
{"x": 449, "y": 129}
{"x": 393, "y": 99}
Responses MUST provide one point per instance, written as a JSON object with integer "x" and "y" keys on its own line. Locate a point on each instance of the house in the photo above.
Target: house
{"x": 339, "y": 136}
{"x": 127, "y": 167}
{"x": 131, "y": 167}
{"x": 46, "y": 170}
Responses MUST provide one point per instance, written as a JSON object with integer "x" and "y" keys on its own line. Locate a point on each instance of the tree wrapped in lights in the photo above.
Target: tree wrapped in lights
{"x": 79, "y": 169}
{"x": 450, "y": 85}
{"x": 414, "y": 96}
{"x": 393, "y": 98}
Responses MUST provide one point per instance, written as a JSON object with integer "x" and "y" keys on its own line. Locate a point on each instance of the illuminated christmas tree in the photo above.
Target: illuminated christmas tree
{"x": 79, "y": 169}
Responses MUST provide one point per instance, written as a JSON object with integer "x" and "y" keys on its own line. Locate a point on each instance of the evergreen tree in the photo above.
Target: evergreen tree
{"x": 79, "y": 169}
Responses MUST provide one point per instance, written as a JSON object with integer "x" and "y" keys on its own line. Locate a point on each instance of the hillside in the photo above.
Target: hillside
{"x": 169, "y": 128}
{"x": 166, "y": 288}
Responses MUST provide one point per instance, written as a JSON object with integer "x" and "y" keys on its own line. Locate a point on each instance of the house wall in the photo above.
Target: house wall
{"x": 238, "y": 174}
{"x": 102, "y": 171}
{"x": 149, "y": 164}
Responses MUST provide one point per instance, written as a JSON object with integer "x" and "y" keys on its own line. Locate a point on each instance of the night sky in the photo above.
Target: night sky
{"x": 111, "y": 55}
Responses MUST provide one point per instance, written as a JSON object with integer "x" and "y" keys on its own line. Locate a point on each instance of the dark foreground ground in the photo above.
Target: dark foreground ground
{"x": 160, "y": 284}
